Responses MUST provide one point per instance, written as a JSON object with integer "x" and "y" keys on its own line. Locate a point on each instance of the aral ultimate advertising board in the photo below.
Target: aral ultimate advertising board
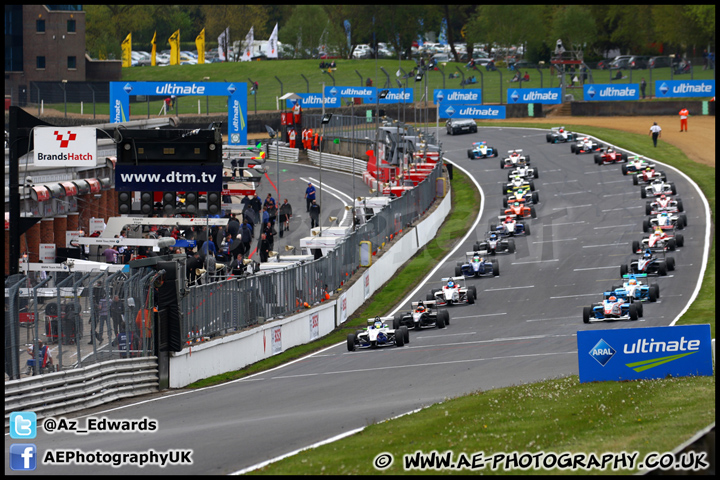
{"x": 644, "y": 353}
{"x": 534, "y": 95}
{"x": 684, "y": 88}
{"x": 120, "y": 93}
{"x": 608, "y": 92}
{"x": 472, "y": 111}
{"x": 470, "y": 96}
{"x": 366, "y": 93}
{"x": 313, "y": 100}
{"x": 396, "y": 95}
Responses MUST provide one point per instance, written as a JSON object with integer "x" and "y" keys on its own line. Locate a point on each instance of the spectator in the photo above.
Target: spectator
{"x": 237, "y": 266}
{"x": 111, "y": 254}
{"x": 44, "y": 356}
{"x": 309, "y": 196}
{"x": 269, "y": 232}
{"x": 193, "y": 263}
{"x": 314, "y": 215}
{"x": 116, "y": 314}
{"x": 208, "y": 247}
{"x": 271, "y": 207}
{"x": 101, "y": 317}
{"x": 246, "y": 236}
{"x": 643, "y": 86}
{"x": 516, "y": 77}
{"x": 285, "y": 214}
{"x": 122, "y": 341}
{"x": 234, "y": 165}
{"x": 526, "y": 78}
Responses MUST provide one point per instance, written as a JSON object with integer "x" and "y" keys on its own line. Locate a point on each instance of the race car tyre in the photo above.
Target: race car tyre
{"x": 615, "y": 287}
{"x": 639, "y": 308}
{"x": 673, "y": 189}
{"x": 505, "y": 204}
{"x": 351, "y": 342}
{"x": 671, "y": 244}
{"x": 397, "y": 320}
{"x": 635, "y": 180}
{"x": 623, "y": 169}
{"x": 670, "y": 261}
{"x": 662, "y": 269}
{"x": 504, "y": 188}
{"x": 472, "y": 290}
{"x": 648, "y": 208}
{"x": 646, "y": 225}
{"x": 511, "y": 246}
{"x": 495, "y": 154}
{"x": 429, "y": 297}
{"x": 633, "y": 312}
{"x": 470, "y": 154}
{"x": 663, "y": 176}
{"x": 577, "y": 151}
{"x": 471, "y": 300}
{"x": 572, "y": 148}
{"x": 536, "y": 197}
{"x": 572, "y": 137}
{"x": 493, "y": 227}
{"x": 458, "y": 271}
{"x": 586, "y": 314}
{"x": 598, "y": 159}
{"x": 548, "y": 138}
{"x": 532, "y": 185}
{"x": 623, "y": 156}
{"x": 652, "y": 293}
{"x": 476, "y": 247}
{"x": 536, "y": 173}
{"x": 533, "y": 213}
{"x": 527, "y": 159}
{"x": 684, "y": 220}
{"x": 655, "y": 288}
{"x": 623, "y": 270}
{"x": 496, "y": 268}
{"x": 399, "y": 339}
{"x": 445, "y": 316}
{"x": 439, "y": 322}
{"x": 527, "y": 229}
{"x": 643, "y": 194}
{"x": 680, "y": 205}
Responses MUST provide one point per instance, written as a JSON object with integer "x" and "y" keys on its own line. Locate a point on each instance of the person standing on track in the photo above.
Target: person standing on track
{"x": 683, "y": 119}
{"x": 309, "y": 196}
{"x": 655, "y": 131}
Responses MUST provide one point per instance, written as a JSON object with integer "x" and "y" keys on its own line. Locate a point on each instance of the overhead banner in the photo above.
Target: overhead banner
{"x": 65, "y": 146}
{"x": 313, "y": 100}
{"x": 472, "y": 111}
{"x": 644, "y": 353}
{"x": 120, "y": 93}
{"x": 684, "y": 88}
{"x": 548, "y": 96}
{"x": 468, "y": 96}
{"x": 608, "y": 92}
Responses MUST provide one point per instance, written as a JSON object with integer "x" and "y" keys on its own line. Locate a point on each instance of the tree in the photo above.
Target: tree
{"x": 304, "y": 29}
{"x": 575, "y": 26}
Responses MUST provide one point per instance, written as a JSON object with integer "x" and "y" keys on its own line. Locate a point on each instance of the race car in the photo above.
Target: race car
{"x": 477, "y": 265}
{"x": 423, "y": 314}
{"x": 521, "y": 195}
{"x": 494, "y": 244}
{"x": 610, "y": 156}
{"x": 517, "y": 182}
{"x": 560, "y": 135}
{"x": 611, "y": 308}
{"x": 461, "y": 125}
{"x": 585, "y": 145}
{"x": 524, "y": 171}
{"x": 650, "y": 264}
{"x": 635, "y": 164}
{"x": 378, "y": 334}
{"x": 664, "y": 204}
{"x": 648, "y": 174}
{"x": 665, "y": 221}
{"x": 658, "y": 241}
{"x": 453, "y": 292}
{"x": 515, "y": 159}
{"x": 634, "y": 290}
{"x": 509, "y": 226}
{"x": 657, "y": 188}
{"x": 481, "y": 150}
{"x": 520, "y": 210}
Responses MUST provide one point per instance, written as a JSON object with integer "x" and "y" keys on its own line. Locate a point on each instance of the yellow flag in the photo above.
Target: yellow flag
{"x": 154, "y": 49}
{"x": 175, "y": 48}
{"x": 200, "y": 44}
{"x": 127, "y": 51}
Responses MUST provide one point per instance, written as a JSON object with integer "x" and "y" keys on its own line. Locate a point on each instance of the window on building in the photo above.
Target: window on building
{"x": 71, "y": 26}
{"x": 72, "y": 62}
{"x": 40, "y": 26}
{"x": 40, "y": 62}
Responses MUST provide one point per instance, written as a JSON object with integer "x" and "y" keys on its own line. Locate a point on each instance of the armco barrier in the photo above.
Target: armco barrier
{"x": 72, "y": 390}
{"x": 244, "y": 348}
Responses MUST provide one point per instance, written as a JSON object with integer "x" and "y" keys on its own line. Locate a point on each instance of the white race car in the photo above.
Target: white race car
{"x": 665, "y": 221}
{"x": 560, "y": 135}
{"x": 524, "y": 171}
{"x": 454, "y": 291}
{"x": 657, "y": 188}
{"x": 378, "y": 334}
{"x": 664, "y": 204}
{"x": 514, "y": 159}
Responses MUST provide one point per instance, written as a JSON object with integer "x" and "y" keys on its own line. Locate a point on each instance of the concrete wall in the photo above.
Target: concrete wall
{"x": 238, "y": 350}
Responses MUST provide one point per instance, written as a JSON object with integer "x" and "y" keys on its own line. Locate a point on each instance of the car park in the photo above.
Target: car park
{"x": 423, "y": 314}
{"x": 619, "y": 62}
{"x": 637, "y": 62}
{"x": 660, "y": 62}
{"x": 362, "y": 51}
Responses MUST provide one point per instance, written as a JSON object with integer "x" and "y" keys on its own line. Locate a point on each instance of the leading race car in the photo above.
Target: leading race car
{"x": 658, "y": 241}
{"x": 524, "y": 171}
{"x": 657, "y": 188}
{"x": 453, "y": 292}
{"x": 423, "y": 314}
{"x": 521, "y": 195}
{"x": 610, "y": 156}
{"x": 585, "y": 145}
{"x": 665, "y": 221}
{"x": 650, "y": 264}
{"x": 520, "y": 210}
{"x": 461, "y": 125}
{"x": 635, "y": 291}
{"x": 481, "y": 150}
{"x": 664, "y": 204}
{"x": 560, "y": 135}
{"x": 635, "y": 164}
{"x": 477, "y": 265}
{"x": 611, "y": 308}
{"x": 494, "y": 244}
{"x": 509, "y": 226}
{"x": 648, "y": 174}
{"x": 517, "y": 182}
{"x": 378, "y": 334}
{"x": 515, "y": 159}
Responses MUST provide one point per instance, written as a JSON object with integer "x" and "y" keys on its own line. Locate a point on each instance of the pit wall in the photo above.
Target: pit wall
{"x": 241, "y": 349}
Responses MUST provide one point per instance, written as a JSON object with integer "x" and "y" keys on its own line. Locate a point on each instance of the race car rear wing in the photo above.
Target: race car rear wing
{"x": 371, "y": 321}
{"x": 503, "y": 217}
{"x": 557, "y": 129}
{"x": 476, "y": 252}
{"x": 454, "y": 279}
{"x": 515, "y": 151}
{"x": 635, "y": 275}
{"x": 430, "y": 303}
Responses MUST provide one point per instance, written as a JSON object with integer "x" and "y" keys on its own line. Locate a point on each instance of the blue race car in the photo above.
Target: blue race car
{"x": 509, "y": 226}
{"x": 611, "y": 308}
{"x": 481, "y": 150}
{"x": 476, "y": 265}
{"x": 635, "y": 291}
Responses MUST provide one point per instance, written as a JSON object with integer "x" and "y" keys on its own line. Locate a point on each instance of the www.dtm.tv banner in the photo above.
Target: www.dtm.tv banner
{"x": 644, "y": 353}
{"x": 172, "y": 178}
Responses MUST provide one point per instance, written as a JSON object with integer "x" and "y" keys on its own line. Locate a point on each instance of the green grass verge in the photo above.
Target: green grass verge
{"x": 466, "y": 204}
{"x": 558, "y": 416}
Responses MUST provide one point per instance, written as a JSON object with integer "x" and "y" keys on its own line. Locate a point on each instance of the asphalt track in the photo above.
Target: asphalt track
{"x": 522, "y": 328}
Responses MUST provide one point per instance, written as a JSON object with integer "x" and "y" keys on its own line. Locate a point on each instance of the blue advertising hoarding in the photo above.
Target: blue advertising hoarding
{"x": 534, "y": 95}
{"x": 608, "y": 92}
{"x": 395, "y": 95}
{"x": 366, "y": 93}
{"x": 236, "y": 92}
{"x": 177, "y": 178}
{"x": 684, "y": 88}
{"x": 470, "y": 96}
{"x": 313, "y": 100}
{"x": 644, "y": 353}
{"x": 472, "y": 111}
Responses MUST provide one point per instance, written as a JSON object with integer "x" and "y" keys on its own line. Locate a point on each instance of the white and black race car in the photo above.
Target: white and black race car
{"x": 524, "y": 171}
{"x": 586, "y": 145}
{"x": 658, "y": 188}
{"x": 560, "y": 135}
{"x": 515, "y": 159}
{"x": 423, "y": 314}
{"x": 378, "y": 334}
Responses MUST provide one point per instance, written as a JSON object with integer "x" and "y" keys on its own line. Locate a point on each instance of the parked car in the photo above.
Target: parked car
{"x": 621, "y": 61}
{"x": 362, "y": 51}
{"x": 638, "y": 61}
{"x": 660, "y": 62}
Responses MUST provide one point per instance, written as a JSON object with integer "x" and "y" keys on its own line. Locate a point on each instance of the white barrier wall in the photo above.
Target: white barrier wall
{"x": 244, "y": 348}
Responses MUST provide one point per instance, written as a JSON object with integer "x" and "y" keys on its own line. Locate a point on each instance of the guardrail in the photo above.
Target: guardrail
{"x": 337, "y": 162}
{"x": 72, "y": 390}
{"x": 286, "y": 154}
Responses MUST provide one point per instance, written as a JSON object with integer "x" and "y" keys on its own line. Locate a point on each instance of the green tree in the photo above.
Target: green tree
{"x": 575, "y": 26}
